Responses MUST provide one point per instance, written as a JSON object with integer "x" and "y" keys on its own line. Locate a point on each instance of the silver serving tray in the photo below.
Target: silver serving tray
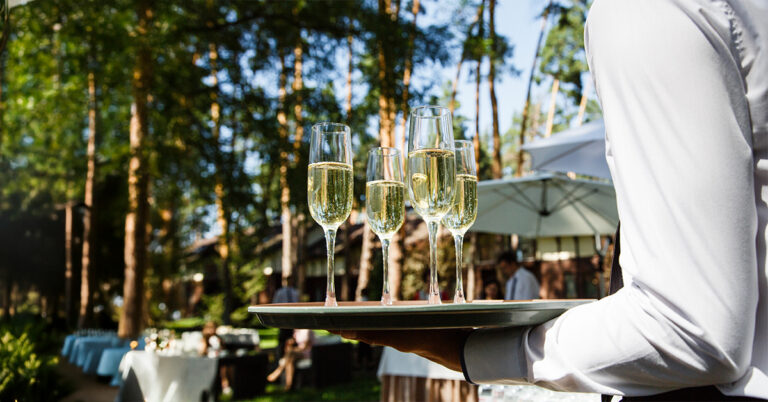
{"x": 412, "y": 314}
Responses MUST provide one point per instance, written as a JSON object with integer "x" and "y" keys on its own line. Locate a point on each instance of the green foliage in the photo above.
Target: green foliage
{"x": 563, "y": 55}
{"x": 363, "y": 389}
{"x": 28, "y": 349}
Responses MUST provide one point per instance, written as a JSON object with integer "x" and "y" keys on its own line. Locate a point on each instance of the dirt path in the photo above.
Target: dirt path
{"x": 86, "y": 388}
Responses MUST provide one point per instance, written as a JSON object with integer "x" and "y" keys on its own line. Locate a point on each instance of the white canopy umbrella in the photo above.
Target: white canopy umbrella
{"x": 580, "y": 150}
{"x": 546, "y": 206}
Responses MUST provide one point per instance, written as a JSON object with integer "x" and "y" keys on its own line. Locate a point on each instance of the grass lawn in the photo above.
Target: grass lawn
{"x": 362, "y": 389}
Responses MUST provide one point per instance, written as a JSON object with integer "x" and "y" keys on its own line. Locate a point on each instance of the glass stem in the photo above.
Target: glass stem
{"x": 458, "y": 297}
{"x": 434, "y": 288}
{"x": 386, "y": 297}
{"x": 330, "y": 243}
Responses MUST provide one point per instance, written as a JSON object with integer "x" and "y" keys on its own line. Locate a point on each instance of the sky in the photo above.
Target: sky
{"x": 517, "y": 20}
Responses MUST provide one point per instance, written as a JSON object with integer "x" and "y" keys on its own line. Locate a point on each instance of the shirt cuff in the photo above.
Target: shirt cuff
{"x": 495, "y": 356}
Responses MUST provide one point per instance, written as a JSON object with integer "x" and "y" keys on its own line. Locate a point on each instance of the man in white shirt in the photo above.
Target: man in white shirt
{"x": 521, "y": 283}
{"x": 684, "y": 91}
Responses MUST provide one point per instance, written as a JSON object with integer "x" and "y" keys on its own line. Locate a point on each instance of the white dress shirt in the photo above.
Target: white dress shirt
{"x": 522, "y": 285}
{"x": 684, "y": 90}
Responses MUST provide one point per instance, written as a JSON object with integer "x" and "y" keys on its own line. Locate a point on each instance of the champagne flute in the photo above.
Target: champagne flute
{"x": 384, "y": 203}
{"x": 329, "y": 187}
{"x": 431, "y": 175}
{"x": 464, "y": 210}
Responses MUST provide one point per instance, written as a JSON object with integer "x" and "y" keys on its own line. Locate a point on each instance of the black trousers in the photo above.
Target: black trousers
{"x": 708, "y": 393}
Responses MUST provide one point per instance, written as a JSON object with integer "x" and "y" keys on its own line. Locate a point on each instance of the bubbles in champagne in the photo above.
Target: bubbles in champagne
{"x": 385, "y": 206}
{"x": 431, "y": 175}
{"x": 464, "y": 210}
{"x": 329, "y": 189}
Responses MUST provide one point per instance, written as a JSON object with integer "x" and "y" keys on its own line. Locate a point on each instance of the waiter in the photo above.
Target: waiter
{"x": 684, "y": 91}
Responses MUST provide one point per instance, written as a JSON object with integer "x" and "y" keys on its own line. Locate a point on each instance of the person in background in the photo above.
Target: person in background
{"x": 286, "y": 294}
{"x": 521, "y": 283}
{"x": 491, "y": 290}
{"x": 297, "y": 348}
{"x": 212, "y": 346}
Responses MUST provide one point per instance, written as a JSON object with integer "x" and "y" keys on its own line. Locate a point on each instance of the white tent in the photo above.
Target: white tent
{"x": 546, "y": 206}
{"x": 580, "y": 150}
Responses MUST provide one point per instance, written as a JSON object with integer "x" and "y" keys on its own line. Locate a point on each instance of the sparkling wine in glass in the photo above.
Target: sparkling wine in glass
{"x": 431, "y": 175}
{"x": 329, "y": 187}
{"x": 464, "y": 210}
{"x": 385, "y": 203}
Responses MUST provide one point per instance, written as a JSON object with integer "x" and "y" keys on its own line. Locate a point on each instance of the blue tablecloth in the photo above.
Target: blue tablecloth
{"x": 68, "y": 342}
{"x": 92, "y": 350}
{"x": 109, "y": 364}
{"x": 84, "y": 348}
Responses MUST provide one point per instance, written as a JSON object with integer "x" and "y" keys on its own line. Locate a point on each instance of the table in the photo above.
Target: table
{"x": 166, "y": 378}
{"x": 406, "y": 376}
{"x": 109, "y": 364}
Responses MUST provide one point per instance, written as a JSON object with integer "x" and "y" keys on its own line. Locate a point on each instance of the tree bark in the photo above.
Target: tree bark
{"x": 89, "y": 219}
{"x": 386, "y": 95}
{"x": 298, "y": 87}
{"x": 496, "y": 166}
{"x": 476, "y": 139}
{"x": 131, "y": 318}
{"x": 397, "y": 245}
{"x": 222, "y": 215}
{"x": 583, "y": 103}
{"x": 67, "y": 261}
{"x": 552, "y": 106}
{"x": 407, "y": 74}
{"x": 350, "y": 66}
{"x": 524, "y": 120}
{"x": 285, "y": 189}
{"x": 366, "y": 255}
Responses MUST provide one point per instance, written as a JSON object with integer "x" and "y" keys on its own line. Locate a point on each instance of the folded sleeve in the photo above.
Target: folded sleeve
{"x": 679, "y": 149}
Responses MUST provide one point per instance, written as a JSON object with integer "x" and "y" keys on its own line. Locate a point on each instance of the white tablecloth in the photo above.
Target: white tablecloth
{"x": 170, "y": 378}
{"x": 394, "y": 362}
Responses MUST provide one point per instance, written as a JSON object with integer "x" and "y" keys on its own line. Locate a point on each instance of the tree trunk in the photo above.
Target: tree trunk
{"x": 524, "y": 120}
{"x": 89, "y": 219}
{"x": 222, "y": 215}
{"x": 298, "y": 87}
{"x": 386, "y": 137}
{"x": 285, "y": 189}
{"x": 552, "y": 106}
{"x": 347, "y": 226}
{"x": 397, "y": 245}
{"x": 476, "y": 139}
{"x": 67, "y": 262}
{"x": 407, "y": 74}
{"x": 350, "y": 66}
{"x": 454, "y": 86}
{"x": 583, "y": 103}
{"x": 386, "y": 92}
{"x": 366, "y": 264}
{"x": 496, "y": 165}
{"x": 131, "y": 318}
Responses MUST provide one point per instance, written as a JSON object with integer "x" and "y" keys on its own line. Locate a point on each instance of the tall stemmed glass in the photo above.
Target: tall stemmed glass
{"x": 385, "y": 203}
{"x": 431, "y": 175}
{"x": 464, "y": 210}
{"x": 329, "y": 186}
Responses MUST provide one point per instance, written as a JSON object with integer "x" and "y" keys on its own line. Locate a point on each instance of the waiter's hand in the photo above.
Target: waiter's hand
{"x": 443, "y": 346}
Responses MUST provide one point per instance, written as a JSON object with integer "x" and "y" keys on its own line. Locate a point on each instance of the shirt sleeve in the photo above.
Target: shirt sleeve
{"x": 679, "y": 149}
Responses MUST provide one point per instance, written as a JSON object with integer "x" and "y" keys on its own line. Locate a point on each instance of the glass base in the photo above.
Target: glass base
{"x": 459, "y": 299}
{"x": 435, "y": 299}
{"x": 386, "y": 300}
{"x": 330, "y": 301}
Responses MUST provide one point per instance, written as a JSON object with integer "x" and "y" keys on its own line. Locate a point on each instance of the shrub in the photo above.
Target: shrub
{"x": 23, "y": 374}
